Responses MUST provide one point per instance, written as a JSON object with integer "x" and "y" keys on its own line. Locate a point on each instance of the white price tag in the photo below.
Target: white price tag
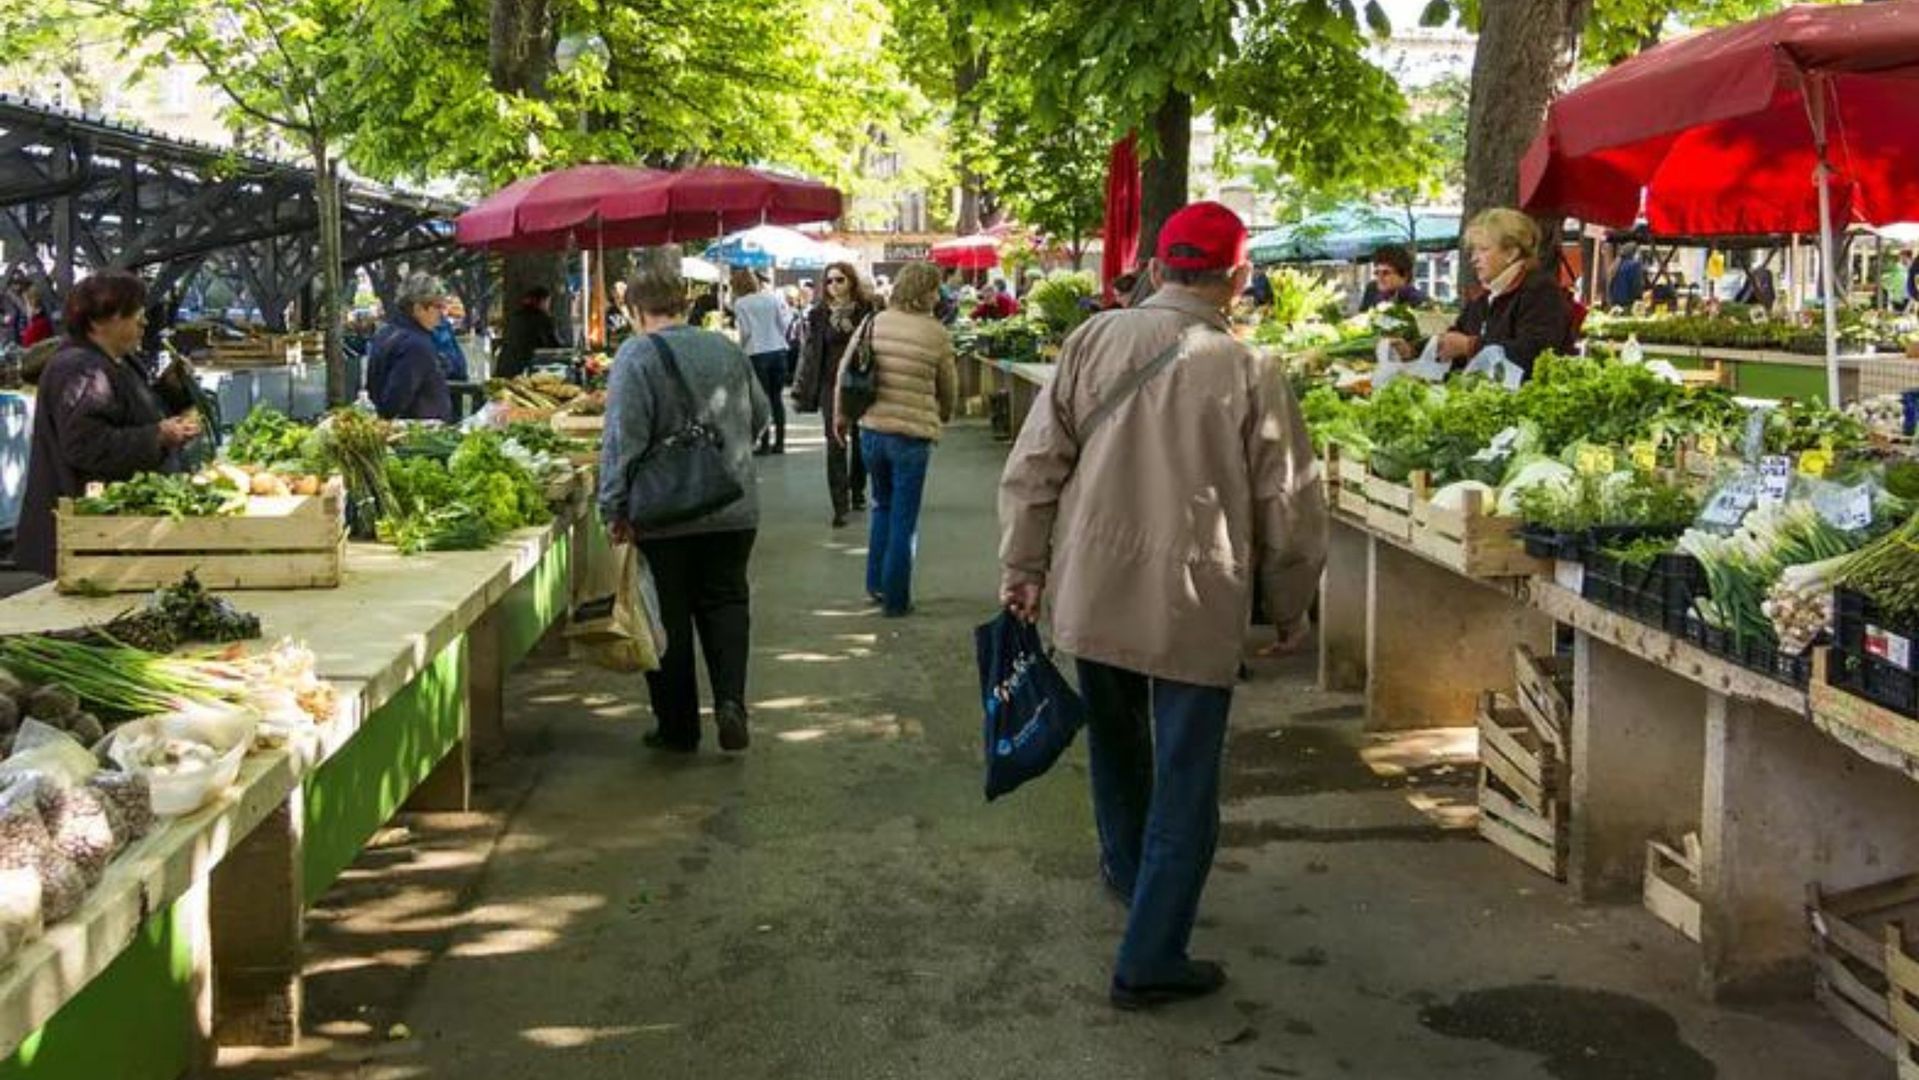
{"x": 1889, "y": 647}
{"x": 1845, "y": 508}
{"x": 1775, "y": 477}
{"x": 1730, "y": 503}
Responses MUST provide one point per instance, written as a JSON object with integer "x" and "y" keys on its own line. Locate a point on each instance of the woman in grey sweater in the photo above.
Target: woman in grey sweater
{"x": 699, "y": 566}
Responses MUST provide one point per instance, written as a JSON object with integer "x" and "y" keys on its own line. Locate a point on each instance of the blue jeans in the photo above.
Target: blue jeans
{"x": 1155, "y": 748}
{"x": 897, "y": 466}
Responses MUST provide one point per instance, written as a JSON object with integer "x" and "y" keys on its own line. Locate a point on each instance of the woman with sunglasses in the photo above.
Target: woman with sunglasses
{"x": 830, "y": 325}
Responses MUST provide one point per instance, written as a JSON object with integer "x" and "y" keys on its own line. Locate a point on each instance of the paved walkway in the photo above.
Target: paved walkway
{"x": 841, "y": 903}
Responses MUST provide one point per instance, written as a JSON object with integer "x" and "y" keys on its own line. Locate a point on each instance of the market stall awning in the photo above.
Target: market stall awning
{"x": 979, "y": 251}
{"x": 772, "y": 246}
{"x": 713, "y": 200}
{"x": 1721, "y": 132}
{"x": 552, "y": 210}
{"x": 1800, "y": 122}
{"x": 1353, "y": 233}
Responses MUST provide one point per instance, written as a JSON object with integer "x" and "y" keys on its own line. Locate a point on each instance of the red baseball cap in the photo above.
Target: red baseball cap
{"x": 1203, "y": 236}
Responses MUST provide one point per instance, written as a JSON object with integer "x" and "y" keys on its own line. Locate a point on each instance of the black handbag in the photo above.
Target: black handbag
{"x": 684, "y": 474}
{"x": 859, "y": 383}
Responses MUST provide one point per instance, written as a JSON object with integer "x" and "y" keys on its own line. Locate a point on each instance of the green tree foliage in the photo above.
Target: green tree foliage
{"x": 1289, "y": 74}
{"x": 1052, "y": 178}
{"x": 787, "y": 82}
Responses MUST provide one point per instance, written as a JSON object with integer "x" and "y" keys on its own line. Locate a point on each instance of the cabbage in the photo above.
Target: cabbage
{"x": 1528, "y": 474}
{"x": 1453, "y": 496}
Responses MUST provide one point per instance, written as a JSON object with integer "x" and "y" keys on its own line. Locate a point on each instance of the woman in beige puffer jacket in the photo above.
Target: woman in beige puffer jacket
{"x": 916, "y": 386}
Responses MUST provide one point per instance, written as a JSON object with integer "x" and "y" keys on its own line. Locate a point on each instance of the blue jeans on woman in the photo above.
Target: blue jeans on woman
{"x": 897, "y": 466}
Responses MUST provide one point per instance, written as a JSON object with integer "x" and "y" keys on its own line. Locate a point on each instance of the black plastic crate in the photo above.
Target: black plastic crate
{"x": 1763, "y": 657}
{"x": 1860, "y": 626}
{"x": 1865, "y": 675}
{"x": 1543, "y": 543}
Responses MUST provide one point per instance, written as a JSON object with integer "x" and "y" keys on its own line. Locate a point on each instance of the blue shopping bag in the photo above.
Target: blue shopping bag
{"x": 1032, "y": 713}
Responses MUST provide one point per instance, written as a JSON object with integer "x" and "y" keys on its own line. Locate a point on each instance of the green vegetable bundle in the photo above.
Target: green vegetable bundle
{"x": 1887, "y": 572}
{"x": 163, "y": 495}
{"x": 1742, "y": 568}
{"x": 269, "y": 440}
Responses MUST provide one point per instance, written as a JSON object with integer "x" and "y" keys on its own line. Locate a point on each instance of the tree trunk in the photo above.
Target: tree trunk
{"x": 326, "y": 190}
{"x": 520, "y": 57}
{"x": 1526, "y": 49}
{"x": 968, "y": 74}
{"x": 1163, "y": 177}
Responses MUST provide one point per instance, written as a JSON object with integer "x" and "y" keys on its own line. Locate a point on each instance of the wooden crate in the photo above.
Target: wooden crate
{"x": 1471, "y": 540}
{"x": 280, "y": 542}
{"x": 1850, "y": 952}
{"x": 1902, "y": 977}
{"x": 1522, "y": 787}
{"x": 1671, "y": 887}
{"x": 1834, "y": 707}
{"x": 576, "y": 426}
{"x": 1346, "y": 478}
{"x": 1544, "y": 689}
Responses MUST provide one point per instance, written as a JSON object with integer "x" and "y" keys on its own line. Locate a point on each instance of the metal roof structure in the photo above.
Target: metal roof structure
{"x": 80, "y": 192}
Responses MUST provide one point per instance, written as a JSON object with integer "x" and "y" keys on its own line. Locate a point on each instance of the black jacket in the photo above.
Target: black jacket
{"x": 820, "y": 356}
{"x": 527, "y": 329}
{"x": 403, "y": 373}
{"x": 1525, "y": 322}
{"x": 95, "y": 419}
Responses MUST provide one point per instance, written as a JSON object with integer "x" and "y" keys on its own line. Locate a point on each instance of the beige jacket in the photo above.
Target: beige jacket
{"x": 917, "y": 382}
{"x": 1150, "y": 534}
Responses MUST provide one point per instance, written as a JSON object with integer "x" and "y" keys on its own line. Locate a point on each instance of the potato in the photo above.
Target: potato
{"x": 262, "y": 484}
{"x": 307, "y": 485}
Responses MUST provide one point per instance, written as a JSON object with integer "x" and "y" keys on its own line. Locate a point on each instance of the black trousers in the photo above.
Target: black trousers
{"x": 702, "y": 585}
{"x": 845, "y": 467}
{"x": 771, "y": 369}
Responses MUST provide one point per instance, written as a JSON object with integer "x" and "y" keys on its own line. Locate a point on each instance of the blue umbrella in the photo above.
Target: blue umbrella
{"x": 767, "y": 246}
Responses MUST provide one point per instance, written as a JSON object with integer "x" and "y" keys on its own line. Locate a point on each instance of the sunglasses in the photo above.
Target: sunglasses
{"x": 836, "y": 281}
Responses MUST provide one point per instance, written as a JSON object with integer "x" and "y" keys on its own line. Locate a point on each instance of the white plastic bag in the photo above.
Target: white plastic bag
{"x": 1428, "y": 367}
{"x": 1492, "y": 363}
{"x": 183, "y": 783}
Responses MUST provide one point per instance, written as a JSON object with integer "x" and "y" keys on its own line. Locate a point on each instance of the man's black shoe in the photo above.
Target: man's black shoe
{"x": 1202, "y": 977}
{"x": 731, "y": 716}
{"x": 653, "y": 740}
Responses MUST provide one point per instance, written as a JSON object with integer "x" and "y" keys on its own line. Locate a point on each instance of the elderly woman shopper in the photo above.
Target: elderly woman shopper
{"x": 664, "y": 371}
{"x": 762, "y": 318}
{"x": 98, "y": 418}
{"x": 844, "y": 304}
{"x": 1524, "y": 311}
{"x": 404, "y": 375}
{"x": 915, "y": 389}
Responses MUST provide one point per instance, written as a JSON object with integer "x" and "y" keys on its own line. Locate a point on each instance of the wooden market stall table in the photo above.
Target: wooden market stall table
{"x": 1666, "y": 739}
{"x": 1777, "y": 373}
{"x": 192, "y": 937}
{"x": 1022, "y": 383}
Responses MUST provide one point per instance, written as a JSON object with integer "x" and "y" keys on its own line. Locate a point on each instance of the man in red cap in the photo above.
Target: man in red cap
{"x": 1163, "y": 475}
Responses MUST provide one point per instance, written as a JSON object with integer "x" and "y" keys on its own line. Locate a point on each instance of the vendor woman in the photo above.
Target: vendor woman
{"x": 1523, "y": 311}
{"x": 96, "y": 417}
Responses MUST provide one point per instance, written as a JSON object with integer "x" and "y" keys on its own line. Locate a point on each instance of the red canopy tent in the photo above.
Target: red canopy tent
{"x": 979, "y": 251}
{"x": 713, "y": 200}
{"x": 1733, "y": 131}
{"x": 549, "y": 211}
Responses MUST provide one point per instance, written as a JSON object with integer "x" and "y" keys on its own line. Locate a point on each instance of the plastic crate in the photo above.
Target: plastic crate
{"x": 1760, "y": 656}
{"x": 1872, "y": 658}
{"x": 1659, "y": 593}
{"x": 1543, "y": 543}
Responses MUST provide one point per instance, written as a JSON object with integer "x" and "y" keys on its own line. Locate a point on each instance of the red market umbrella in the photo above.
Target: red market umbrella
{"x": 545, "y": 212}
{"x": 1731, "y": 131}
{"x": 1121, "y": 238}
{"x": 712, "y": 200}
{"x": 979, "y": 251}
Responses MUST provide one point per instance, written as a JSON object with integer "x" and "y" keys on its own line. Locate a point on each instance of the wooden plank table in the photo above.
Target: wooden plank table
{"x": 1022, "y": 383}
{"x": 221, "y": 892}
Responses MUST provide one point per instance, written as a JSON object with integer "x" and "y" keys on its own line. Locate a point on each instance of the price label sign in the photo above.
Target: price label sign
{"x": 1729, "y": 504}
{"x": 1775, "y": 477}
{"x": 1594, "y": 460}
{"x": 1645, "y": 456}
{"x": 1814, "y": 463}
{"x": 1845, "y": 508}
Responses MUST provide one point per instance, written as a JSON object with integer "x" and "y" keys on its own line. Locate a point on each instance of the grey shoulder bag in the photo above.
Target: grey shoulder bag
{"x": 1129, "y": 386}
{"x": 684, "y": 474}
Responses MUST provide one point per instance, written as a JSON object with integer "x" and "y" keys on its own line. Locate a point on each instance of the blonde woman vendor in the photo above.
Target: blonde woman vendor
{"x": 1524, "y": 311}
